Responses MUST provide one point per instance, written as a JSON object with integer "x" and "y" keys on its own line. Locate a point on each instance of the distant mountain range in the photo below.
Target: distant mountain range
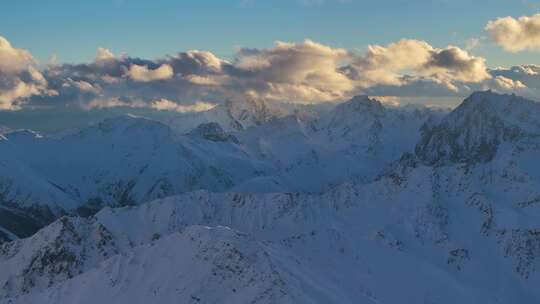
{"x": 252, "y": 203}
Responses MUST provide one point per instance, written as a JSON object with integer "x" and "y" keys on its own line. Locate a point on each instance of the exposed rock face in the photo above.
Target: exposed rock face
{"x": 474, "y": 131}
{"x": 250, "y": 112}
{"x": 212, "y": 131}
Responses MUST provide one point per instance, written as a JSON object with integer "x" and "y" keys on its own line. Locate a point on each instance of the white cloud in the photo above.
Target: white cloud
{"x": 454, "y": 64}
{"x": 384, "y": 64}
{"x": 144, "y": 74}
{"x": 17, "y": 91}
{"x": 167, "y": 105}
{"x": 100, "y": 103}
{"x": 303, "y": 72}
{"x": 523, "y": 80}
{"x": 204, "y": 58}
{"x": 508, "y": 84}
{"x": 416, "y": 62}
{"x": 104, "y": 54}
{"x": 392, "y": 101}
{"x": 83, "y": 86}
{"x": 528, "y": 75}
{"x": 19, "y": 79}
{"x": 206, "y": 80}
{"x": 13, "y": 60}
{"x": 159, "y": 104}
{"x": 516, "y": 35}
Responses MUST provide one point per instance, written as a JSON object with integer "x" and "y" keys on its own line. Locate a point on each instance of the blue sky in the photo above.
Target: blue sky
{"x": 72, "y": 30}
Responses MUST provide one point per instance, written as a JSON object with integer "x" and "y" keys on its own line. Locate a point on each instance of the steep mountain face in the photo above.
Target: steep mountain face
{"x": 475, "y": 131}
{"x": 194, "y": 265}
{"x": 27, "y": 200}
{"x": 485, "y": 152}
{"x": 212, "y": 131}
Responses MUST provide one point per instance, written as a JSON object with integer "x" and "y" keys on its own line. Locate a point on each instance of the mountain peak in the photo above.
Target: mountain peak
{"x": 362, "y": 105}
{"x": 510, "y": 109}
{"x": 474, "y": 130}
{"x": 493, "y": 99}
{"x": 249, "y": 112}
{"x": 364, "y": 102}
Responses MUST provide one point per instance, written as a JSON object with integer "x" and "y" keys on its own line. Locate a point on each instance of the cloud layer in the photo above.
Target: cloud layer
{"x": 302, "y": 72}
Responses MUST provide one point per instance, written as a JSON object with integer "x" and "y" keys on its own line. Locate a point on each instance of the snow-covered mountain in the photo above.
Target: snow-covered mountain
{"x": 232, "y": 115}
{"x": 413, "y": 204}
{"x": 131, "y": 160}
{"x": 355, "y": 140}
{"x": 422, "y": 233}
{"x": 484, "y": 123}
{"x": 121, "y": 161}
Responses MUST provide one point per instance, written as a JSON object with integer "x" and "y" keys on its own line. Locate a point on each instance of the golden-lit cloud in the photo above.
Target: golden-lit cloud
{"x": 301, "y": 72}
{"x": 19, "y": 79}
{"x": 386, "y": 65}
{"x": 516, "y": 35}
{"x": 144, "y": 74}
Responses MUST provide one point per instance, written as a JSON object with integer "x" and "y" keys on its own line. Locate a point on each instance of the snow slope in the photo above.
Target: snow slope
{"x": 416, "y": 233}
{"x": 121, "y": 161}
